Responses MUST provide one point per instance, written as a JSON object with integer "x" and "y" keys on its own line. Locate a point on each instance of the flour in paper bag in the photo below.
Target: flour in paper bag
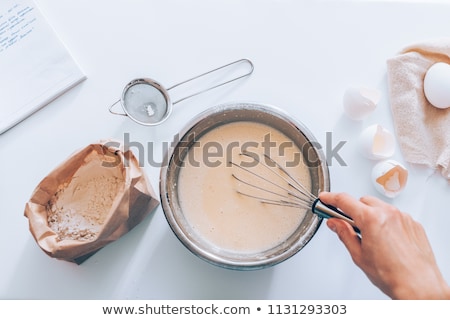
{"x": 79, "y": 208}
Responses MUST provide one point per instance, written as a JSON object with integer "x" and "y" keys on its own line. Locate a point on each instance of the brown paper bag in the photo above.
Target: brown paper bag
{"x": 91, "y": 199}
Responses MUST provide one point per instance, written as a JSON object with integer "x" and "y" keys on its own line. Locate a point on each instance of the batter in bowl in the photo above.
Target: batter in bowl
{"x": 208, "y": 193}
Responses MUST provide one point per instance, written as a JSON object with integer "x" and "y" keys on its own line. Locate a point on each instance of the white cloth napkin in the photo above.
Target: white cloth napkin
{"x": 423, "y": 131}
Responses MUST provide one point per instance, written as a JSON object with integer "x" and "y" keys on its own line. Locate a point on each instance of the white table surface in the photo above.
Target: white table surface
{"x": 306, "y": 53}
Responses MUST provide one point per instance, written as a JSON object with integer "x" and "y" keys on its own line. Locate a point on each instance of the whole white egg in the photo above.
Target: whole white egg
{"x": 436, "y": 85}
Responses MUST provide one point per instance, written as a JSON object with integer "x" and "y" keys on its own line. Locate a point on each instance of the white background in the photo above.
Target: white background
{"x": 306, "y": 53}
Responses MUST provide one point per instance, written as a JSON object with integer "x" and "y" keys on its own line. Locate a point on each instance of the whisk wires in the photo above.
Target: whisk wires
{"x": 294, "y": 194}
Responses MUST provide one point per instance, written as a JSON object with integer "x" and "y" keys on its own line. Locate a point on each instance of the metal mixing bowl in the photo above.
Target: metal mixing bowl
{"x": 209, "y": 120}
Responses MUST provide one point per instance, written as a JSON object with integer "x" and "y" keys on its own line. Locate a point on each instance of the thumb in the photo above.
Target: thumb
{"x": 348, "y": 236}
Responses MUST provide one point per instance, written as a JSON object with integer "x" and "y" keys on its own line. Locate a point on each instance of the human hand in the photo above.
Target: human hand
{"x": 393, "y": 250}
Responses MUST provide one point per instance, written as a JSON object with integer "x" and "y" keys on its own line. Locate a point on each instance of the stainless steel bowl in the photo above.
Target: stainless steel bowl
{"x": 209, "y": 120}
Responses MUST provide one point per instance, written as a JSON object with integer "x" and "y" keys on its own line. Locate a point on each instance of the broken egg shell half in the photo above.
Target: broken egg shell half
{"x": 376, "y": 142}
{"x": 359, "y": 102}
{"x": 389, "y": 178}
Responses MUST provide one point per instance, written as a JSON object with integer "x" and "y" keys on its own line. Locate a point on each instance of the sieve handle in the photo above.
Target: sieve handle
{"x": 247, "y": 61}
{"x": 114, "y": 112}
{"x": 327, "y": 211}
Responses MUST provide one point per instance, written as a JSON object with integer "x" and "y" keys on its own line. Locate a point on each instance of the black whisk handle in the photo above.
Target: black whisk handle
{"x": 327, "y": 211}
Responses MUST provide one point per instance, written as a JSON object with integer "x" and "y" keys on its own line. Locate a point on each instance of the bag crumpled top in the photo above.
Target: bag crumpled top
{"x": 91, "y": 199}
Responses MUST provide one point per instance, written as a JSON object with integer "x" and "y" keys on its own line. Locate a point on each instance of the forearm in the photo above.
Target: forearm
{"x": 431, "y": 287}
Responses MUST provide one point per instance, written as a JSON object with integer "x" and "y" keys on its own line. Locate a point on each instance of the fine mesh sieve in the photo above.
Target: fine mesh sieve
{"x": 147, "y": 102}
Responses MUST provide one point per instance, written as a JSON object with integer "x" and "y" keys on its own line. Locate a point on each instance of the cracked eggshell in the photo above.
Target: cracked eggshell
{"x": 389, "y": 178}
{"x": 376, "y": 142}
{"x": 359, "y": 102}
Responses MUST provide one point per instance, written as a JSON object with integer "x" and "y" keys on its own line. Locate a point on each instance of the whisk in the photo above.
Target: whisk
{"x": 293, "y": 194}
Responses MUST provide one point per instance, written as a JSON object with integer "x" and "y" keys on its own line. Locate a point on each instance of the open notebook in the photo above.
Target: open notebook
{"x": 35, "y": 67}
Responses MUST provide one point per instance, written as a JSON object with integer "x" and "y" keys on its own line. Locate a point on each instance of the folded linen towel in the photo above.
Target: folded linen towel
{"x": 423, "y": 131}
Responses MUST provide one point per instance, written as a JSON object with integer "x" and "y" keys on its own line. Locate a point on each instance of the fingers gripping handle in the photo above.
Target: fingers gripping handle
{"x": 327, "y": 211}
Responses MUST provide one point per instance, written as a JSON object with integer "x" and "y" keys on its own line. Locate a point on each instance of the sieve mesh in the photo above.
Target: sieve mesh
{"x": 145, "y": 103}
